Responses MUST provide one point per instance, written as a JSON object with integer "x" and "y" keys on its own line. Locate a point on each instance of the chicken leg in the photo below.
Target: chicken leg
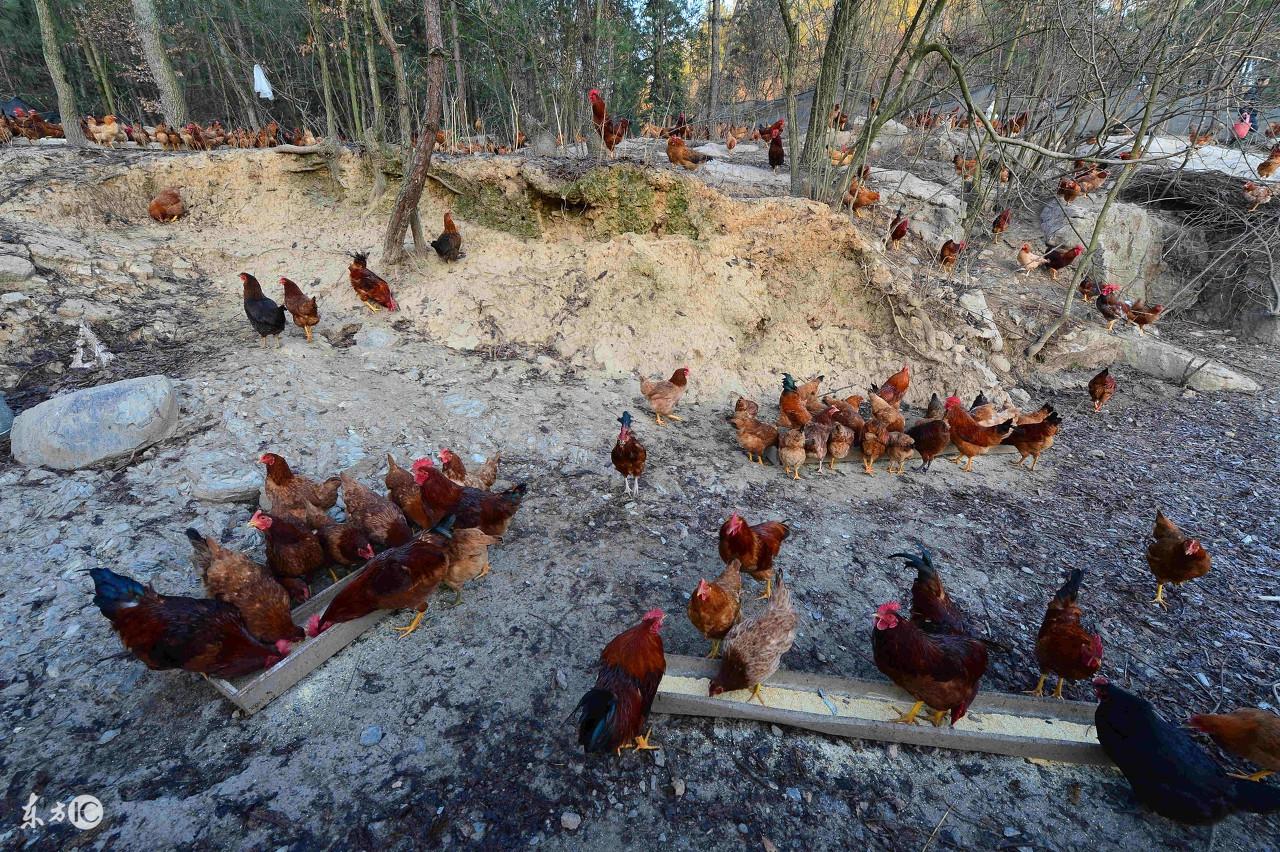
{"x": 642, "y": 742}
{"x": 755, "y": 693}
{"x": 1159, "y": 598}
{"x": 715, "y": 649}
{"x": 411, "y": 626}
{"x": 1038, "y": 692}
{"x": 1057, "y": 693}
{"x": 306, "y": 329}
{"x": 372, "y": 307}
{"x": 1257, "y": 776}
{"x": 937, "y": 717}
{"x": 909, "y": 718}
{"x": 768, "y": 588}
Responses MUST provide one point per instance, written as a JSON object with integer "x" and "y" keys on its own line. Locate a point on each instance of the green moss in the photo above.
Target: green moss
{"x": 487, "y": 204}
{"x": 680, "y": 217}
{"x": 619, "y": 200}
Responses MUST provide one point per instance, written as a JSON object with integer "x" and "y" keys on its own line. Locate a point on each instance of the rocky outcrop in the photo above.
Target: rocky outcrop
{"x": 1128, "y": 252}
{"x": 88, "y": 426}
{"x": 1168, "y": 362}
{"x": 935, "y": 212}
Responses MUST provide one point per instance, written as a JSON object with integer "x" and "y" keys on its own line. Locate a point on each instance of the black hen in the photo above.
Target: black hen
{"x": 266, "y": 317}
{"x": 1168, "y": 771}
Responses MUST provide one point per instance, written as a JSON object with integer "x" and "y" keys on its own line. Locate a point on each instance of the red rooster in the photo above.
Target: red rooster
{"x": 491, "y": 512}
{"x": 196, "y": 634}
{"x": 938, "y": 668}
{"x": 615, "y": 709}
{"x": 1061, "y": 258}
{"x": 898, "y": 228}
{"x": 754, "y": 546}
{"x": 1001, "y": 224}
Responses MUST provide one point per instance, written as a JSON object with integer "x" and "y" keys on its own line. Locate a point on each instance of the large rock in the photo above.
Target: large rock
{"x": 936, "y": 211}
{"x": 89, "y": 426}
{"x": 14, "y": 268}
{"x": 6, "y": 416}
{"x": 1168, "y": 362}
{"x": 1129, "y": 249}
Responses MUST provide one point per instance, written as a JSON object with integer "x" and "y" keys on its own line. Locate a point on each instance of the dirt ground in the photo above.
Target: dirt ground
{"x": 472, "y": 748}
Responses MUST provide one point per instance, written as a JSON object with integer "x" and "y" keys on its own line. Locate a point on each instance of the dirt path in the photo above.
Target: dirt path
{"x": 473, "y": 749}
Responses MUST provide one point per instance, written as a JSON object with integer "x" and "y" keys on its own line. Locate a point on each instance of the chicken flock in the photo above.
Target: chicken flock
{"x": 437, "y": 520}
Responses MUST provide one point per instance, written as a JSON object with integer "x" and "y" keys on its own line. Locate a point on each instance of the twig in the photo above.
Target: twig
{"x": 936, "y": 829}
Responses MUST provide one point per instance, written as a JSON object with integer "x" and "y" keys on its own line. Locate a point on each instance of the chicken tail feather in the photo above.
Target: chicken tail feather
{"x": 112, "y": 591}
{"x": 598, "y": 708}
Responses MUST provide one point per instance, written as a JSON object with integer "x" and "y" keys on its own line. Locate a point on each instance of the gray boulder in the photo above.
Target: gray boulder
{"x": 85, "y": 427}
{"x": 15, "y": 268}
{"x": 1129, "y": 250}
{"x": 1166, "y": 361}
{"x": 935, "y": 212}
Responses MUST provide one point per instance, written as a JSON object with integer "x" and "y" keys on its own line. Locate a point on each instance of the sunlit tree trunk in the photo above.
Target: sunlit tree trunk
{"x": 53, "y": 58}
{"x": 172, "y": 102}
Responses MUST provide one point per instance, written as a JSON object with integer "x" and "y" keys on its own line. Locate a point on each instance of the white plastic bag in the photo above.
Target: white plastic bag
{"x": 261, "y": 87}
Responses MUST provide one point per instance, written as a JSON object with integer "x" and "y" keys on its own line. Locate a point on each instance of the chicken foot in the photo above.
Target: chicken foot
{"x": 768, "y": 589}
{"x": 909, "y": 718}
{"x": 412, "y": 625}
{"x": 1257, "y": 776}
{"x": 1159, "y": 598}
{"x": 1038, "y": 692}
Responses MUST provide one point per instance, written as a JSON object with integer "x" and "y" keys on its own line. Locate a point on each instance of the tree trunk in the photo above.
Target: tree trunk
{"x": 247, "y": 96}
{"x": 99, "y": 68}
{"x": 713, "y": 90}
{"x": 172, "y": 102}
{"x": 379, "y": 118}
{"x": 53, "y": 58}
{"x": 416, "y": 178}
{"x": 402, "y": 82}
{"x": 461, "y": 94}
{"x": 326, "y": 83}
{"x": 824, "y": 93}
{"x": 789, "y": 86}
{"x": 353, "y": 89}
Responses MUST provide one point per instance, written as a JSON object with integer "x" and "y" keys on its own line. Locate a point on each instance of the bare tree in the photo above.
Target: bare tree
{"x": 713, "y": 90}
{"x": 415, "y": 179}
{"x": 326, "y": 82}
{"x": 172, "y": 102}
{"x": 53, "y": 58}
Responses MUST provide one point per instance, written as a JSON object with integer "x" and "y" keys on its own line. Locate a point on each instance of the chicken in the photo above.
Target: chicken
{"x": 1267, "y": 168}
{"x": 1068, "y": 190}
{"x": 930, "y": 603}
{"x": 468, "y": 559}
{"x": 949, "y": 253}
{"x": 777, "y": 154}
{"x": 236, "y": 579}
{"x": 293, "y": 551}
{"x": 875, "y": 440}
{"x": 167, "y": 206}
{"x": 748, "y": 405}
{"x": 1001, "y": 223}
{"x": 195, "y": 634}
{"x": 1257, "y": 195}
{"x": 964, "y": 168}
{"x": 816, "y": 436}
{"x": 808, "y": 393}
{"x": 930, "y": 436}
{"x": 714, "y": 607}
{"x": 937, "y": 668}
{"x": 1032, "y": 439}
{"x": 296, "y": 497}
{"x": 266, "y": 317}
{"x": 753, "y": 649}
{"x": 730, "y": 141}
{"x": 1101, "y": 388}
{"x": 615, "y": 710}
{"x": 1249, "y": 733}
{"x": 754, "y": 436}
{"x": 663, "y": 396}
{"x": 1063, "y": 647}
{"x": 379, "y": 518}
{"x": 482, "y": 478}
{"x": 448, "y": 245}
{"x": 1092, "y": 181}
{"x": 628, "y": 454}
{"x": 369, "y": 285}
{"x": 1110, "y": 305}
{"x": 1029, "y": 260}
{"x": 1060, "y": 258}
{"x": 404, "y": 492}
{"x": 103, "y": 133}
{"x": 840, "y": 443}
{"x": 490, "y": 511}
{"x": 1089, "y": 289}
{"x": 614, "y": 133}
{"x": 890, "y": 416}
{"x": 1168, "y": 771}
{"x": 969, "y": 438}
{"x": 847, "y": 415}
{"x": 1140, "y": 315}
{"x": 303, "y": 309}
{"x": 791, "y": 452}
{"x": 681, "y": 155}
{"x": 755, "y": 547}
{"x": 1040, "y": 415}
{"x": 399, "y": 578}
{"x": 1174, "y": 558}
{"x": 894, "y": 389}
{"x": 898, "y": 229}
{"x": 935, "y": 409}
{"x": 599, "y": 112}
{"x": 345, "y": 544}
{"x": 898, "y": 448}
{"x": 792, "y": 411}
{"x": 858, "y": 198}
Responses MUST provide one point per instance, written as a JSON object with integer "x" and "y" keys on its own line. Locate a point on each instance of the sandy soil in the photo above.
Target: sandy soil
{"x": 474, "y": 750}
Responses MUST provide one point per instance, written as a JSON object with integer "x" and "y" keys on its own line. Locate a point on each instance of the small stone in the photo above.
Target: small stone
{"x": 777, "y": 732}
{"x": 1204, "y": 680}
{"x": 1001, "y": 363}
{"x": 562, "y": 682}
{"x": 1010, "y": 831}
{"x": 659, "y": 759}
{"x": 371, "y": 735}
{"x": 570, "y": 821}
{"x": 677, "y": 786}
{"x": 793, "y": 793}
{"x": 742, "y": 828}
{"x": 14, "y": 298}
{"x": 1246, "y": 540}
{"x": 108, "y": 736}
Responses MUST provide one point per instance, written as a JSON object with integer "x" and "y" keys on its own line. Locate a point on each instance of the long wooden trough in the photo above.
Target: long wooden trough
{"x": 253, "y": 692}
{"x": 1015, "y": 725}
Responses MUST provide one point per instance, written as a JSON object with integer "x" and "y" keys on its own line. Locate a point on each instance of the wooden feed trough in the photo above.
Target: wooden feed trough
{"x": 253, "y": 692}
{"x": 1015, "y": 725}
